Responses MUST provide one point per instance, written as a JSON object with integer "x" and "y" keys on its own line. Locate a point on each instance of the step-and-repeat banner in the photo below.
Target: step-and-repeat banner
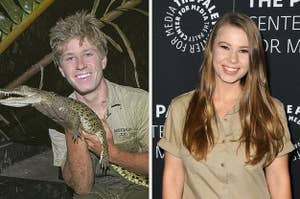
{"x": 180, "y": 30}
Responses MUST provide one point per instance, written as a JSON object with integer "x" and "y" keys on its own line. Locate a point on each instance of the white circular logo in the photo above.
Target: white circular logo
{"x": 187, "y": 24}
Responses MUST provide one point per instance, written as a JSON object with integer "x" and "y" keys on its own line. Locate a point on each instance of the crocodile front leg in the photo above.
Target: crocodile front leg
{"x": 104, "y": 156}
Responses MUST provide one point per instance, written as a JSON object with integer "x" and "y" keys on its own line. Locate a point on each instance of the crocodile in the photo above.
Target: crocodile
{"x": 71, "y": 114}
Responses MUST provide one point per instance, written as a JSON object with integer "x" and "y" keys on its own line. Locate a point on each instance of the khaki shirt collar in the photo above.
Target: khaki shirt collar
{"x": 113, "y": 98}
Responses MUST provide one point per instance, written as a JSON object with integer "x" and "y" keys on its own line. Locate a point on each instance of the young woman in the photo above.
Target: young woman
{"x": 228, "y": 138}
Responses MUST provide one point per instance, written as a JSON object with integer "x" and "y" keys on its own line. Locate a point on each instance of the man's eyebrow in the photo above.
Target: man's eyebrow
{"x": 91, "y": 48}
{"x": 66, "y": 54}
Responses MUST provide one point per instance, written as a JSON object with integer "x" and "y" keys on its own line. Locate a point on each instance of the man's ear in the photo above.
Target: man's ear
{"x": 104, "y": 62}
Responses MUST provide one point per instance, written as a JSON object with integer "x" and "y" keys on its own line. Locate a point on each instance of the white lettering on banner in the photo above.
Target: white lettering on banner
{"x": 272, "y": 3}
{"x": 291, "y": 110}
{"x": 159, "y": 153}
{"x": 296, "y": 153}
{"x": 157, "y": 129}
{"x": 293, "y": 113}
{"x": 186, "y": 35}
{"x": 272, "y": 45}
{"x": 293, "y": 2}
{"x": 160, "y": 110}
{"x": 294, "y": 119}
{"x": 276, "y": 23}
{"x": 292, "y": 47}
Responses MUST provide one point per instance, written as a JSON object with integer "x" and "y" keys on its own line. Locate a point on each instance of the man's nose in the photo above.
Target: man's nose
{"x": 80, "y": 64}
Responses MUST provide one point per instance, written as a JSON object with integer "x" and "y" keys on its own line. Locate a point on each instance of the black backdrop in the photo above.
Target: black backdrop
{"x": 180, "y": 29}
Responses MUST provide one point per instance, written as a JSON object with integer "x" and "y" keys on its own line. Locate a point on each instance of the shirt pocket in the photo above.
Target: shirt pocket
{"x": 126, "y": 139}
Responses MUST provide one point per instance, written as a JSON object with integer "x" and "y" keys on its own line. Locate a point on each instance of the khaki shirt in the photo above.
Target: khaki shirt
{"x": 127, "y": 116}
{"x": 224, "y": 173}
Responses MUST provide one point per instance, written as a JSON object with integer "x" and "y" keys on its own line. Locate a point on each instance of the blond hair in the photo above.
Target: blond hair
{"x": 80, "y": 25}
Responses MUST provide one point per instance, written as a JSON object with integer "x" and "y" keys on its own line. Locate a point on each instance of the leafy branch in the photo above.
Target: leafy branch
{"x": 107, "y": 18}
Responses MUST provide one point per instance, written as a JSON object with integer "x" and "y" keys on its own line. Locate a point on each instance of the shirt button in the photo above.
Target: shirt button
{"x": 223, "y": 141}
{"x": 222, "y": 164}
{"x": 225, "y": 119}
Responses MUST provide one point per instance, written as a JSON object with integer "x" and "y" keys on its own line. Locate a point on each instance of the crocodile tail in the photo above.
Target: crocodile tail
{"x": 130, "y": 176}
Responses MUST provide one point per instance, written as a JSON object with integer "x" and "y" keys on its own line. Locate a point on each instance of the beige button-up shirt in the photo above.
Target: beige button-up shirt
{"x": 224, "y": 174}
{"x": 127, "y": 116}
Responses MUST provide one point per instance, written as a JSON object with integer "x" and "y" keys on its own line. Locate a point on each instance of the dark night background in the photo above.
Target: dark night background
{"x": 26, "y": 132}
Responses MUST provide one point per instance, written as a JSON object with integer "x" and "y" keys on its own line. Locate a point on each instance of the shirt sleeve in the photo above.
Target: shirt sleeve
{"x": 173, "y": 129}
{"x": 143, "y": 123}
{"x": 59, "y": 147}
{"x": 288, "y": 146}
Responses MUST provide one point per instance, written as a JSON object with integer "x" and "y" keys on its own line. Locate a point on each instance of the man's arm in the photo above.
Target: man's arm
{"x": 78, "y": 170}
{"x": 132, "y": 161}
{"x": 137, "y": 162}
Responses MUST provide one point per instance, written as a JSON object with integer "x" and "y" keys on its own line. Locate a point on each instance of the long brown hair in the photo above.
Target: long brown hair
{"x": 262, "y": 130}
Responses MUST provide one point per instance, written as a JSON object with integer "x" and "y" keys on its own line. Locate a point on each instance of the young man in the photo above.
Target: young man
{"x": 81, "y": 55}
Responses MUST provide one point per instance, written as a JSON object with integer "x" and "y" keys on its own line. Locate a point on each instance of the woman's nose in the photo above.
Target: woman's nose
{"x": 233, "y": 57}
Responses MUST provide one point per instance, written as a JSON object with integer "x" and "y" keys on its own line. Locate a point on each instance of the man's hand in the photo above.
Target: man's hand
{"x": 94, "y": 144}
{"x": 137, "y": 162}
